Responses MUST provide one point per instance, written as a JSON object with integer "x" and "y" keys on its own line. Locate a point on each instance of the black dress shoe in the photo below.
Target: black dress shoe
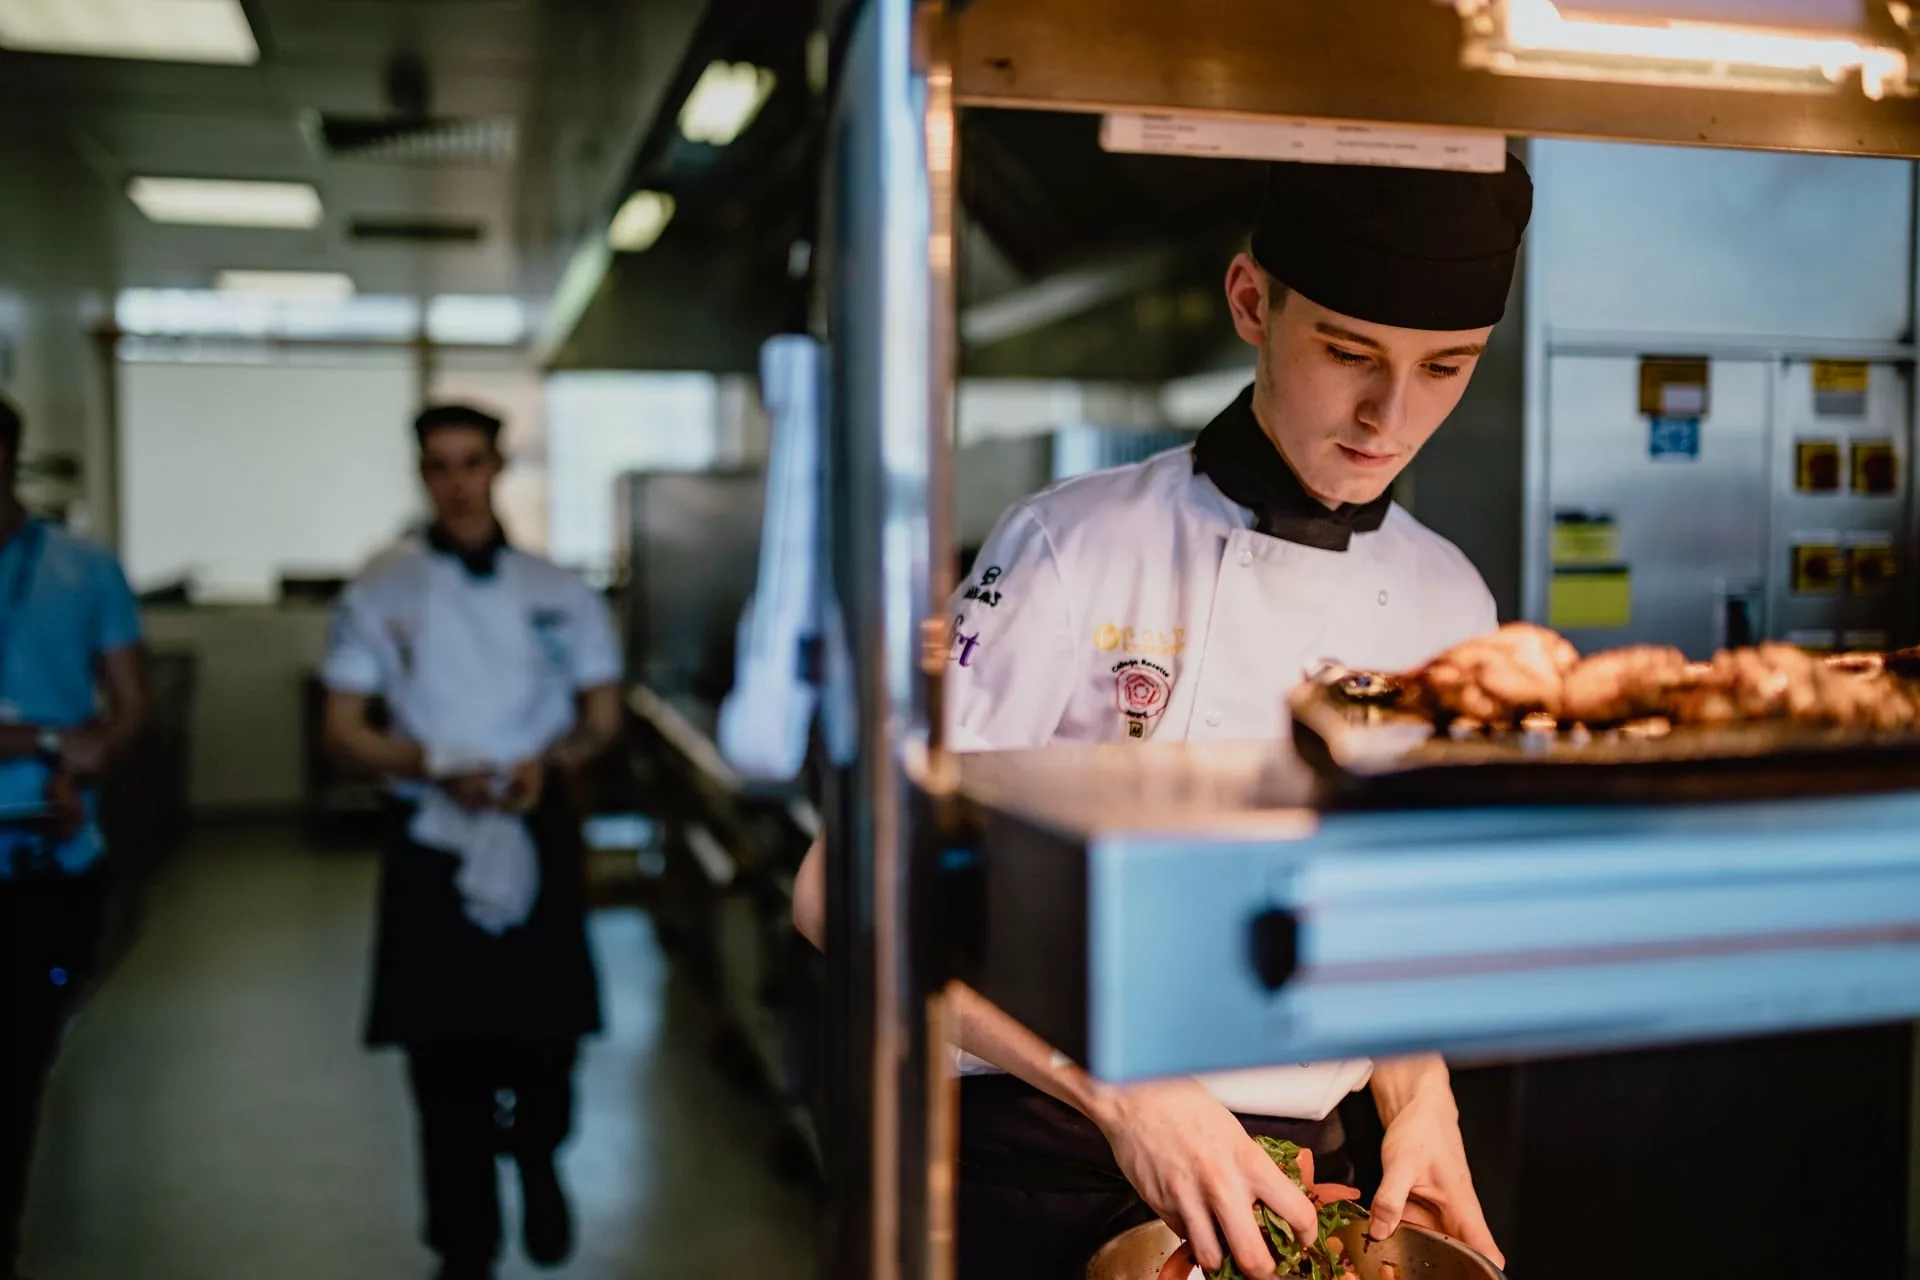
{"x": 546, "y": 1219}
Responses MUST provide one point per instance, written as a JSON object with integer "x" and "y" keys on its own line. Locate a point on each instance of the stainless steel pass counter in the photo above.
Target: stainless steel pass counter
{"x": 1165, "y": 909}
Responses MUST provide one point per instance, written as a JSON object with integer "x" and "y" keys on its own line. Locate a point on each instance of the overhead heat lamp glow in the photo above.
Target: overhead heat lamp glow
{"x": 159, "y": 30}
{"x": 1535, "y": 37}
{"x": 641, "y": 219}
{"x": 220, "y": 202}
{"x": 724, "y": 102}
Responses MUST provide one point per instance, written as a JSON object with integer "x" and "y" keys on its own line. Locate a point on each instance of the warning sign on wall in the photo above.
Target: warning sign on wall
{"x": 1819, "y": 569}
{"x": 1598, "y": 599}
{"x": 1585, "y": 539}
{"x": 1816, "y": 466}
{"x": 1673, "y": 386}
{"x": 1875, "y": 469}
{"x": 1871, "y": 569}
{"x": 1840, "y": 388}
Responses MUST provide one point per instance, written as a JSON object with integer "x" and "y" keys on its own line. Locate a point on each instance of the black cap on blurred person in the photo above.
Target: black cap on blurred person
{"x": 435, "y": 417}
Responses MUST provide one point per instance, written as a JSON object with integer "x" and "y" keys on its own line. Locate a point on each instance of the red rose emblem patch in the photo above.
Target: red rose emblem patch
{"x": 1141, "y": 691}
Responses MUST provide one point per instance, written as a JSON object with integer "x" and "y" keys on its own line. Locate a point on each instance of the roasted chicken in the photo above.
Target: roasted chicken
{"x": 1623, "y": 684}
{"x": 1528, "y": 677}
{"x": 1500, "y": 679}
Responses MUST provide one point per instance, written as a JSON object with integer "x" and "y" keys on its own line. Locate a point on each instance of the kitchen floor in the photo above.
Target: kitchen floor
{"x": 214, "y": 1117}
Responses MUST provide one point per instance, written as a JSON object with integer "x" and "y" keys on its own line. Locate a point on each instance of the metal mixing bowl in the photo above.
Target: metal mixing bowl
{"x": 1415, "y": 1252}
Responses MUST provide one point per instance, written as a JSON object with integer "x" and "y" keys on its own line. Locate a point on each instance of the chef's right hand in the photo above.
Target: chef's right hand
{"x": 1196, "y": 1167}
{"x": 471, "y": 791}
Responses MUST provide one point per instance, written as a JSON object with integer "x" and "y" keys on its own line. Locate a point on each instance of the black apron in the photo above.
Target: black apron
{"x": 439, "y": 977}
{"x": 1040, "y": 1191}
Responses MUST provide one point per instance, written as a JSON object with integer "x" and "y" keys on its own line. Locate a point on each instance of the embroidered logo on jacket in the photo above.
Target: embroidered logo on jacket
{"x": 961, "y": 647}
{"x": 1140, "y": 692}
{"x": 1110, "y": 638}
{"x": 983, "y": 590}
{"x": 549, "y": 629}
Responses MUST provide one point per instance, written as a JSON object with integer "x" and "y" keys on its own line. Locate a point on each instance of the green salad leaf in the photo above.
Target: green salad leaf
{"x": 1313, "y": 1262}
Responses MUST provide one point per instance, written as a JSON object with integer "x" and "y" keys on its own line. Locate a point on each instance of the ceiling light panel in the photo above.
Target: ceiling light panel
{"x": 297, "y": 286}
{"x": 160, "y": 30}
{"x": 641, "y": 219}
{"x": 459, "y": 319}
{"x": 476, "y": 318}
{"x": 724, "y": 102}
{"x": 218, "y": 202}
{"x": 206, "y": 313}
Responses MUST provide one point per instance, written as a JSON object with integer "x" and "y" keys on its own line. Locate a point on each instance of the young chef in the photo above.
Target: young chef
{"x": 1180, "y": 599}
{"x": 499, "y": 672}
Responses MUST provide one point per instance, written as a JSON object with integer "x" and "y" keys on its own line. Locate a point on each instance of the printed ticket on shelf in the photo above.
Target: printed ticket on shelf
{"x": 1311, "y": 141}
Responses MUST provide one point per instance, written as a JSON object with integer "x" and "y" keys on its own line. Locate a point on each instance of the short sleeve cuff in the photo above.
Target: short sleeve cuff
{"x": 350, "y": 673}
{"x": 593, "y": 674}
{"x": 121, "y": 634}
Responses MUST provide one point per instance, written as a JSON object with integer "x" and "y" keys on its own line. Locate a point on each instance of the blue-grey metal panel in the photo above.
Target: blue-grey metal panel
{"x": 1480, "y": 932}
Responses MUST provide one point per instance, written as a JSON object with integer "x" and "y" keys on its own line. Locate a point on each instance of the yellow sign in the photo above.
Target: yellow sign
{"x": 1674, "y": 386}
{"x": 1840, "y": 377}
{"x": 1816, "y": 466}
{"x": 1590, "y": 601}
{"x": 1107, "y": 637}
{"x": 1818, "y": 569}
{"x": 1586, "y": 542}
{"x": 1875, "y": 470}
{"x": 1872, "y": 569}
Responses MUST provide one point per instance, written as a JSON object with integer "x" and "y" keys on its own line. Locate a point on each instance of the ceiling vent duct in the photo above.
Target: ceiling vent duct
{"x": 391, "y": 140}
{"x": 415, "y": 231}
{"x": 409, "y": 133}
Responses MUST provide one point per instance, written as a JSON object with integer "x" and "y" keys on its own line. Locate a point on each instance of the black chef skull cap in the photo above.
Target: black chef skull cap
{"x": 436, "y": 416}
{"x": 1411, "y": 248}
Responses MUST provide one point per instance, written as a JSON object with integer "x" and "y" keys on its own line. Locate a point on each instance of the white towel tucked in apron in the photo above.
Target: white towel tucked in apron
{"x": 499, "y": 875}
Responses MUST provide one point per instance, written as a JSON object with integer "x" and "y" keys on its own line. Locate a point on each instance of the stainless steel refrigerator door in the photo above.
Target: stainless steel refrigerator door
{"x": 1692, "y": 530}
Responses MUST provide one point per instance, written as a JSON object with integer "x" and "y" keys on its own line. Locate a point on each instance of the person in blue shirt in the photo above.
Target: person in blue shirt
{"x": 500, "y": 675}
{"x": 72, "y": 697}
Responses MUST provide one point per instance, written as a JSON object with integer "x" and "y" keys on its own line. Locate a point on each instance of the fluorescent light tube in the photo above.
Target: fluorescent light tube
{"x": 297, "y": 286}
{"x": 161, "y": 30}
{"x": 641, "y": 219}
{"x": 219, "y": 202}
{"x": 724, "y": 102}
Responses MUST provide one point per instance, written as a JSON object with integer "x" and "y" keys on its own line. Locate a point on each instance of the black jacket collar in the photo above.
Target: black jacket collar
{"x": 1244, "y": 464}
{"x": 479, "y": 561}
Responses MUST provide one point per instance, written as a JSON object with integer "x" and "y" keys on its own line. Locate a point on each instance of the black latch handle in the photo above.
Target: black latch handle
{"x": 1276, "y": 946}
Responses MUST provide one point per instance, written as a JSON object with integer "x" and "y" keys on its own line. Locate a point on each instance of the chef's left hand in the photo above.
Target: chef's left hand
{"x": 526, "y": 782}
{"x": 69, "y": 812}
{"x": 1424, "y": 1177}
{"x": 83, "y": 751}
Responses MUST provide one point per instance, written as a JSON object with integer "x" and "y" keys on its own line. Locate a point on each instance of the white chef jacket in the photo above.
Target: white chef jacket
{"x": 1138, "y": 603}
{"x": 481, "y": 667}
